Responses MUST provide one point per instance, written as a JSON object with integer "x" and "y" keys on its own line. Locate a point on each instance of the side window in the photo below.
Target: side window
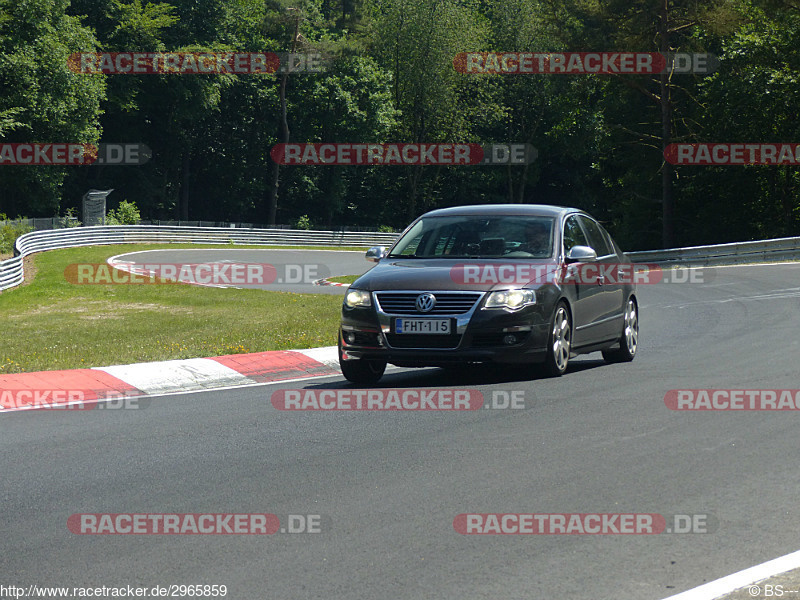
{"x": 596, "y": 238}
{"x": 573, "y": 235}
{"x": 611, "y": 243}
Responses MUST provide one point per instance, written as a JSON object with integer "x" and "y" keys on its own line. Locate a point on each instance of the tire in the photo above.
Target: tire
{"x": 629, "y": 339}
{"x": 559, "y": 342}
{"x": 364, "y": 371}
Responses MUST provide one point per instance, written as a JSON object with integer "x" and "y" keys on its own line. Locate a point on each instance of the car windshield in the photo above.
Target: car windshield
{"x": 474, "y": 236}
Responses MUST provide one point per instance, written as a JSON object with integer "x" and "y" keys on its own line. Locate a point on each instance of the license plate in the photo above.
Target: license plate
{"x": 432, "y": 326}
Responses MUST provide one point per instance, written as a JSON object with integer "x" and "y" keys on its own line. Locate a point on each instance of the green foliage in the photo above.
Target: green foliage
{"x": 8, "y": 120}
{"x": 303, "y": 223}
{"x": 69, "y": 219}
{"x": 40, "y": 99}
{"x": 416, "y": 42}
{"x": 139, "y": 26}
{"x": 391, "y": 79}
{"x": 9, "y": 232}
{"x": 125, "y": 214}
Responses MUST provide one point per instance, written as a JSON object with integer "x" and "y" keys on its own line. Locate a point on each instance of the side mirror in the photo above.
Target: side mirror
{"x": 376, "y": 253}
{"x": 581, "y": 254}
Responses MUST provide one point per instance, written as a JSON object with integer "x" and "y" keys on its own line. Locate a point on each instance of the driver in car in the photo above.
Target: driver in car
{"x": 537, "y": 239}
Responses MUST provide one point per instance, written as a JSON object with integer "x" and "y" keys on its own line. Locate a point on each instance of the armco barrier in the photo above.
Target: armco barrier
{"x": 724, "y": 254}
{"x": 11, "y": 271}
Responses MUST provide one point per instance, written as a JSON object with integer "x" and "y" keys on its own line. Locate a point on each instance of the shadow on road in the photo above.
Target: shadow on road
{"x": 461, "y": 375}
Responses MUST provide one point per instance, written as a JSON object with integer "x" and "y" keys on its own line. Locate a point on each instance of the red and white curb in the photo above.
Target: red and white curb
{"x": 26, "y": 391}
{"x": 326, "y": 282}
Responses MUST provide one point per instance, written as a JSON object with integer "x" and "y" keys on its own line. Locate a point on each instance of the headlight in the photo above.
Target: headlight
{"x": 355, "y": 298}
{"x": 511, "y": 299}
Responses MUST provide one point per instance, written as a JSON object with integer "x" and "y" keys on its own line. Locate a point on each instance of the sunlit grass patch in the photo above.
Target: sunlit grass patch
{"x": 53, "y": 324}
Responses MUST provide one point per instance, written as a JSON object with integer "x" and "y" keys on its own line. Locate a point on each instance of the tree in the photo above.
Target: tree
{"x": 664, "y": 26}
{"x": 349, "y": 103}
{"x": 752, "y": 99}
{"x": 416, "y": 40}
{"x": 41, "y": 101}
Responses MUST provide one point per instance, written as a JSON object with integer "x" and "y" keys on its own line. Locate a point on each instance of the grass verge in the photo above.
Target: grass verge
{"x": 52, "y": 324}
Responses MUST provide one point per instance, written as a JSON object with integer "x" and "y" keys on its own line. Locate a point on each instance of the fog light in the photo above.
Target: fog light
{"x": 350, "y": 337}
{"x": 509, "y": 340}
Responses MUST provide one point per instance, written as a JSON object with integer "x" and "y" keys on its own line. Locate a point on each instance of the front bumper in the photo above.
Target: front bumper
{"x": 479, "y": 335}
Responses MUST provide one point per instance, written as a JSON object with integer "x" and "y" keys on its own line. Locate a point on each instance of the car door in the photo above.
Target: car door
{"x": 608, "y": 303}
{"x": 586, "y": 304}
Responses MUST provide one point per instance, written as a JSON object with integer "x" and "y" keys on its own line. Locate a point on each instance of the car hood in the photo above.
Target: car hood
{"x": 448, "y": 274}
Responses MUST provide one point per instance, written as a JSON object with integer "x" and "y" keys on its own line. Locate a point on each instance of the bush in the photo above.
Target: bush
{"x": 303, "y": 223}
{"x": 69, "y": 219}
{"x": 126, "y": 214}
{"x": 9, "y": 232}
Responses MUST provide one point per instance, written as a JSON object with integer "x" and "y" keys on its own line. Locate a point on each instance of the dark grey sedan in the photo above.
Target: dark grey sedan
{"x": 513, "y": 283}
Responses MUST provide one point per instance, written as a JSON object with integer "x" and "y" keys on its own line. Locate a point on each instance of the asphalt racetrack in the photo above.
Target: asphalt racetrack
{"x": 388, "y": 485}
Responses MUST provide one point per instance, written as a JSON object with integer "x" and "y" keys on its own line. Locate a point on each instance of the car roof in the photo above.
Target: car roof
{"x": 529, "y": 210}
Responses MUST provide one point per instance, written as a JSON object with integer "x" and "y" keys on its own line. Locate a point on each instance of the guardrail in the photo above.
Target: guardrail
{"x": 724, "y": 254}
{"x": 11, "y": 271}
{"x": 46, "y": 223}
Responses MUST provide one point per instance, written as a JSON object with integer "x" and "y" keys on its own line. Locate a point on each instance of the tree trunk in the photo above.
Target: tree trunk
{"x": 413, "y": 183}
{"x": 183, "y": 198}
{"x": 272, "y": 206}
{"x": 521, "y": 186}
{"x": 787, "y": 200}
{"x": 667, "y": 199}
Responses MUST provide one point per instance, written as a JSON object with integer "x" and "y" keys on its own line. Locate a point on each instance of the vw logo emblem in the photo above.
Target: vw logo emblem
{"x": 425, "y": 302}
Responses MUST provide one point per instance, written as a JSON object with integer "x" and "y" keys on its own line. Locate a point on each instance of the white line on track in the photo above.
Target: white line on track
{"x": 736, "y": 581}
{"x": 775, "y": 295}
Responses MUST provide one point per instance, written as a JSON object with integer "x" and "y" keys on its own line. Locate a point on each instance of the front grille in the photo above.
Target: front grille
{"x": 410, "y": 340}
{"x": 447, "y": 303}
